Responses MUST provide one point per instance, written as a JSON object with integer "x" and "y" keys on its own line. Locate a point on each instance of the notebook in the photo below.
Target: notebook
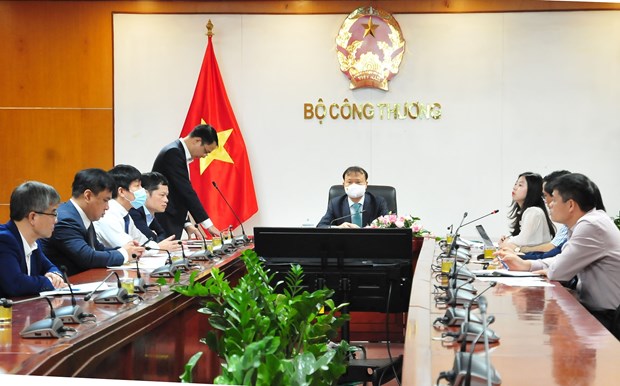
{"x": 485, "y": 237}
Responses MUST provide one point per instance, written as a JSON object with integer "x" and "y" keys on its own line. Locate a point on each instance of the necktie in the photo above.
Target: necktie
{"x": 126, "y": 218}
{"x": 356, "y": 216}
{"x": 91, "y": 236}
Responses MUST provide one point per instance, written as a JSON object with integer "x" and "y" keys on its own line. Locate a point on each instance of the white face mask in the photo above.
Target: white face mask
{"x": 355, "y": 190}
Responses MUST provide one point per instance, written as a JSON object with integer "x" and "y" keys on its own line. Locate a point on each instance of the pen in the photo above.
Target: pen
{"x": 503, "y": 263}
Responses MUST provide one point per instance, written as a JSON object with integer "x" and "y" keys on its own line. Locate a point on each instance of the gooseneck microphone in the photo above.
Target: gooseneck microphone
{"x": 182, "y": 263}
{"x": 343, "y": 217}
{"x": 453, "y": 245}
{"x": 481, "y": 217}
{"x": 243, "y": 239}
{"x": 117, "y": 295}
{"x": 167, "y": 270}
{"x": 73, "y": 313}
{"x": 51, "y": 327}
{"x": 138, "y": 282}
{"x": 204, "y": 254}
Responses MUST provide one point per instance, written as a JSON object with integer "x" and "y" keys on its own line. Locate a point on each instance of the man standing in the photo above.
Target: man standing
{"x": 592, "y": 251}
{"x": 74, "y": 243}
{"x": 172, "y": 161}
{"x": 357, "y": 206}
{"x": 25, "y": 269}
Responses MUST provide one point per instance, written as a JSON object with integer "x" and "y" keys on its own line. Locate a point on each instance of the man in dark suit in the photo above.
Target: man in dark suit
{"x": 344, "y": 211}
{"x": 156, "y": 186}
{"x": 172, "y": 161}
{"x": 25, "y": 269}
{"x": 73, "y": 242}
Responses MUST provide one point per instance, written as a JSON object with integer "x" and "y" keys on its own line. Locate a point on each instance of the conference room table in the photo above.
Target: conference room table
{"x": 546, "y": 336}
{"x": 149, "y": 339}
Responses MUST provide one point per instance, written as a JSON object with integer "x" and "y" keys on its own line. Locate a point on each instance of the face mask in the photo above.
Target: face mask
{"x": 140, "y": 198}
{"x": 355, "y": 190}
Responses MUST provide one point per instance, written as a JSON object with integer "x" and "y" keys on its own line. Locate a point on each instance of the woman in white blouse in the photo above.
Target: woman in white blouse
{"x": 531, "y": 224}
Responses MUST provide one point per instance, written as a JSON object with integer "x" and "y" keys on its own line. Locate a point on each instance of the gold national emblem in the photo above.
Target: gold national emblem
{"x": 370, "y": 48}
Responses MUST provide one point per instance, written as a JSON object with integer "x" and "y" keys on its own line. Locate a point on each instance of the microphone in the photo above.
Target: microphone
{"x": 343, "y": 217}
{"x": 138, "y": 282}
{"x": 481, "y": 217}
{"x": 73, "y": 313}
{"x": 117, "y": 295}
{"x": 204, "y": 254}
{"x": 453, "y": 244}
{"x": 51, "y": 327}
{"x": 183, "y": 263}
{"x": 166, "y": 270}
{"x": 243, "y": 239}
{"x": 484, "y": 373}
{"x": 467, "y": 297}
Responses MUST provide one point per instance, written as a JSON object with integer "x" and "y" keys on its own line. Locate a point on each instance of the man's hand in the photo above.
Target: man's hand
{"x": 56, "y": 280}
{"x": 133, "y": 248}
{"x": 214, "y": 231}
{"x": 170, "y": 244}
{"x": 513, "y": 261}
{"x": 347, "y": 225}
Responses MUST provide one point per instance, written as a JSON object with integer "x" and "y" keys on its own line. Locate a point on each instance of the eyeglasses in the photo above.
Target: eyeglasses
{"x": 55, "y": 214}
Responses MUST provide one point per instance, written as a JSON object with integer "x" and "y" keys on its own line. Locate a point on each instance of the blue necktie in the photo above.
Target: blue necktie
{"x": 126, "y": 218}
{"x": 356, "y": 216}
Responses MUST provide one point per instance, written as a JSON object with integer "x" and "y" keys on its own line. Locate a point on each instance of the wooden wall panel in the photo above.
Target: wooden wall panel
{"x": 50, "y": 145}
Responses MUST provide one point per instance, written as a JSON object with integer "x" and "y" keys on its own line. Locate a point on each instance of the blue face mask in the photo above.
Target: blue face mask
{"x": 139, "y": 198}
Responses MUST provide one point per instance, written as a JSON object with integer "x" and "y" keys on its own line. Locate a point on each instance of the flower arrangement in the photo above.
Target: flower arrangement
{"x": 392, "y": 220}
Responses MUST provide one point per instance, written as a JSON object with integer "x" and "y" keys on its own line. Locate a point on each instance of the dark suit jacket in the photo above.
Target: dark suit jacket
{"x": 154, "y": 230}
{"x": 374, "y": 206}
{"x": 171, "y": 163}
{"x": 14, "y": 278}
{"x": 69, "y": 246}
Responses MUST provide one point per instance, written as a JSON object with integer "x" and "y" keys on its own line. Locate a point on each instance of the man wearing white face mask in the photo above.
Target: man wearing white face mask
{"x": 357, "y": 208}
{"x": 116, "y": 227}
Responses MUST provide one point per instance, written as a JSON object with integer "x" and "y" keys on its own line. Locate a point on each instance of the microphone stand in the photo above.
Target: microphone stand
{"x": 51, "y": 327}
{"x": 138, "y": 282}
{"x": 117, "y": 295}
{"x": 167, "y": 270}
{"x": 182, "y": 264}
{"x": 243, "y": 239}
{"x": 205, "y": 254}
{"x": 73, "y": 313}
{"x": 343, "y": 217}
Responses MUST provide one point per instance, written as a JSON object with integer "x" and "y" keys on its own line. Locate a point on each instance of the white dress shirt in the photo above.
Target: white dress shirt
{"x": 534, "y": 228}
{"x": 111, "y": 228}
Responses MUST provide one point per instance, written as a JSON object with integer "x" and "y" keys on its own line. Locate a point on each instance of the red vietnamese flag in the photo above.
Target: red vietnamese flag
{"x": 228, "y": 165}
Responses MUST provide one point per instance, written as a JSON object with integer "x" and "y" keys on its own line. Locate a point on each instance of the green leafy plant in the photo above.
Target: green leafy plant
{"x": 269, "y": 337}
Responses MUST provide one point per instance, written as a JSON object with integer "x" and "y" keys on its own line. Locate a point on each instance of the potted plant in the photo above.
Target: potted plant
{"x": 392, "y": 220}
{"x": 265, "y": 336}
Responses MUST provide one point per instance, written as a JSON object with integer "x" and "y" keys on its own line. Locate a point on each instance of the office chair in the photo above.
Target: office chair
{"x": 387, "y": 192}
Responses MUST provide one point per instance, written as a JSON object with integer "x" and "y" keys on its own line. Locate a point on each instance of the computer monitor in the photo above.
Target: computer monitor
{"x": 364, "y": 267}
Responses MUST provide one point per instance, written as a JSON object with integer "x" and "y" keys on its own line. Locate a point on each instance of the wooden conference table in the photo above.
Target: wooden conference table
{"x": 546, "y": 336}
{"x": 150, "y": 340}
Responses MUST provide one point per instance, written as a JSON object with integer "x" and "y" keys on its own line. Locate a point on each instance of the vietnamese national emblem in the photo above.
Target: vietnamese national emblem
{"x": 370, "y": 48}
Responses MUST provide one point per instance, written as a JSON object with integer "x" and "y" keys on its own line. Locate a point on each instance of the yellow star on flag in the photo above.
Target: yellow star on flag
{"x": 370, "y": 28}
{"x": 219, "y": 153}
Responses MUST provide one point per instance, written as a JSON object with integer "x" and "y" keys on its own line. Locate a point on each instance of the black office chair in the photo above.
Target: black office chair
{"x": 387, "y": 192}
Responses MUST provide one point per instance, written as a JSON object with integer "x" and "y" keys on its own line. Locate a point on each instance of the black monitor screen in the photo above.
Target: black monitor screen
{"x": 333, "y": 245}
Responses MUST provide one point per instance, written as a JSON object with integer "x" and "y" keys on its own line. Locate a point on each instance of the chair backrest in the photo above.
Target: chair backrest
{"x": 387, "y": 192}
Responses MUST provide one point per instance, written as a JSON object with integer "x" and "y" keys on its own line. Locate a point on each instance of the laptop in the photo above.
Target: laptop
{"x": 485, "y": 237}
